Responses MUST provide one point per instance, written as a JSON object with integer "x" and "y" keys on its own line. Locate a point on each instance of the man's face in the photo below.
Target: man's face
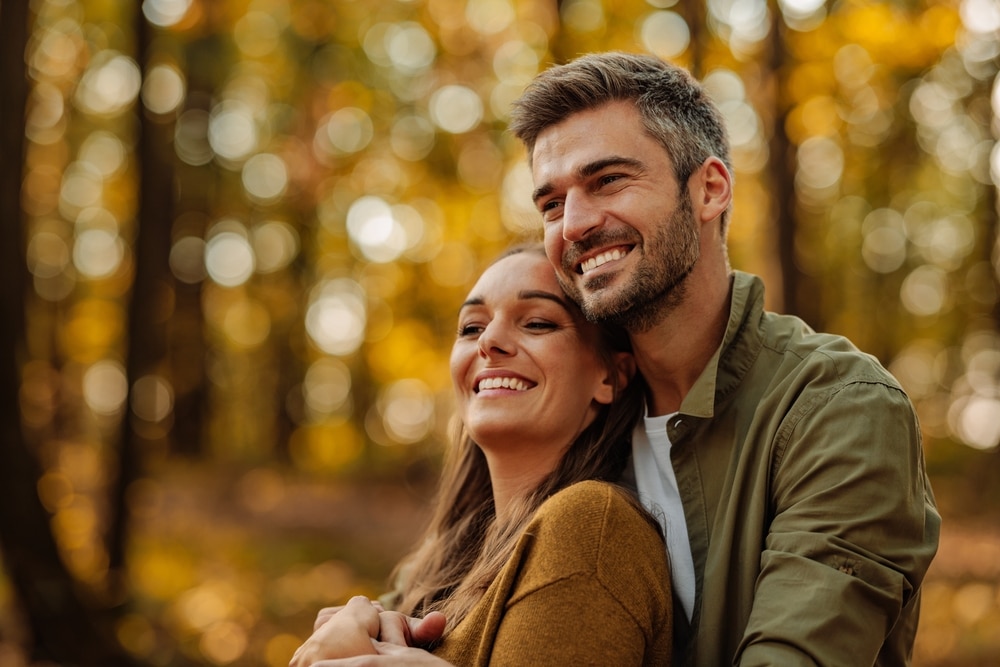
{"x": 618, "y": 229}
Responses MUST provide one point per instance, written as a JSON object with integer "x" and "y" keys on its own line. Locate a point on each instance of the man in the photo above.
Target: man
{"x": 786, "y": 464}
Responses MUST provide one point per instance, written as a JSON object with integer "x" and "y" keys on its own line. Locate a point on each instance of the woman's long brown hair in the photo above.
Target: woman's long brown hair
{"x": 465, "y": 546}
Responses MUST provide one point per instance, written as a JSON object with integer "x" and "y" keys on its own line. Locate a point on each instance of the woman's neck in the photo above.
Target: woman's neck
{"x": 515, "y": 475}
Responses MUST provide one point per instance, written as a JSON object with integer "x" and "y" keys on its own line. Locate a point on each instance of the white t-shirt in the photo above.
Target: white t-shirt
{"x": 657, "y": 486}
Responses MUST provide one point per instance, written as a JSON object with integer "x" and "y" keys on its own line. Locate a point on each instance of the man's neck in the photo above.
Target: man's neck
{"x": 673, "y": 354}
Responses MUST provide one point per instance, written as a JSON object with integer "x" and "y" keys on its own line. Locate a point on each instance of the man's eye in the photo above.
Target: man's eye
{"x": 607, "y": 179}
{"x": 549, "y": 205}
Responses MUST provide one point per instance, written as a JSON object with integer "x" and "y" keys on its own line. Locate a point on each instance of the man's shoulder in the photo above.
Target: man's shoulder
{"x": 785, "y": 344}
{"x": 796, "y": 347}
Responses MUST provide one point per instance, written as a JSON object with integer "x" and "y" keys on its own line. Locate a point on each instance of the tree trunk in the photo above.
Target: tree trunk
{"x": 148, "y": 307}
{"x": 694, "y": 14}
{"x": 63, "y": 629}
{"x": 782, "y": 168}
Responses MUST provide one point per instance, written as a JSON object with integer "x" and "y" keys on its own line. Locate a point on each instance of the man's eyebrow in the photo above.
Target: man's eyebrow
{"x": 590, "y": 169}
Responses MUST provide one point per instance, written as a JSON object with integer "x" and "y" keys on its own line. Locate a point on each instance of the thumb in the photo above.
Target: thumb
{"x": 428, "y": 629}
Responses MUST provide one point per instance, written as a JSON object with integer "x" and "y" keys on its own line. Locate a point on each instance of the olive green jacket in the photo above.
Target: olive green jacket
{"x": 811, "y": 519}
{"x": 587, "y": 584}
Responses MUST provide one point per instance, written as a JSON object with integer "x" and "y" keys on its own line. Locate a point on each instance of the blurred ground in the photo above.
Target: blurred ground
{"x": 230, "y": 567}
{"x": 364, "y": 527}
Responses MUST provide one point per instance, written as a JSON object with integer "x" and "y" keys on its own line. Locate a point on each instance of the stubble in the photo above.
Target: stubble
{"x": 658, "y": 285}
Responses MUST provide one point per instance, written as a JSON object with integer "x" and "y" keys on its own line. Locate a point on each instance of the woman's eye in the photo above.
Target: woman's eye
{"x": 469, "y": 330}
{"x": 541, "y": 325}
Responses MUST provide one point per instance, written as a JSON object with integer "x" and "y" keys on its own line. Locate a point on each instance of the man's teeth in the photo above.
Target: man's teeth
{"x": 502, "y": 383}
{"x": 603, "y": 258}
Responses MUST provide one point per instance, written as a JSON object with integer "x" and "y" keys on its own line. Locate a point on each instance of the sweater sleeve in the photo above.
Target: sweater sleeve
{"x": 592, "y": 586}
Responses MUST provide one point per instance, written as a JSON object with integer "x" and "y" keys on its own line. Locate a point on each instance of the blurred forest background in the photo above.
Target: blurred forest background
{"x": 236, "y": 233}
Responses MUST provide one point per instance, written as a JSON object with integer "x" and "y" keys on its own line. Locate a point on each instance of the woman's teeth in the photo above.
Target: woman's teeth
{"x": 502, "y": 383}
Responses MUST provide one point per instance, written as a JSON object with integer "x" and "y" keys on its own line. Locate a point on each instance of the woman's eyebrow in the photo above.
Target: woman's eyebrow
{"x": 523, "y": 295}
{"x": 542, "y": 294}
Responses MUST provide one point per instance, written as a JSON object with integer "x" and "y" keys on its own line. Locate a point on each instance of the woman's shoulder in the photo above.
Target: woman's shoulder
{"x": 598, "y": 531}
{"x": 589, "y": 493}
{"x": 595, "y": 512}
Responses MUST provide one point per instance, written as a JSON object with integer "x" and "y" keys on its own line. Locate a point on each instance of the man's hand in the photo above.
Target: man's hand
{"x": 389, "y": 655}
{"x": 347, "y": 632}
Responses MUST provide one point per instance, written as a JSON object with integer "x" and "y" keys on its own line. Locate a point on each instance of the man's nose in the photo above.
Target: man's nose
{"x": 581, "y": 216}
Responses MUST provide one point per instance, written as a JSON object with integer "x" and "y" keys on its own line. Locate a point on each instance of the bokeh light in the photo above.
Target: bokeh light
{"x": 336, "y": 316}
{"x": 456, "y": 109}
{"x": 152, "y": 398}
{"x": 165, "y": 13}
{"x": 665, "y": 34}
{"x": 163, "y": 89}
{"x": 187, "y": 259}
{"x": 265, "y": 177}
{"x": 191, "y": 138}
{"x": 105, "y": 387}
{"x": 229, "y": 258}
{"x": 275, "y": 245}
{"x": 407, "y": 408}
{"x": 232, "y": 131}
{"x": 97, "y": 253}
{"x": 372, "y": 225}
{"x": 345, "y": 131}
{"x": 326, "y": 387}
{"x": 109, "y": 85}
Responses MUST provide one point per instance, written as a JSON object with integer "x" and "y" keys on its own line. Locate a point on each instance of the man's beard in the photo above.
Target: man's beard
{"x": 659, "y": 284}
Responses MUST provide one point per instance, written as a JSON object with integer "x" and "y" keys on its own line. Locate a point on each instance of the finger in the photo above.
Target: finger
{"x": 385, "y": 648}
{"x": 359, "y": 601}
{"x": 394, "y": 628}
{"x": 428, "y": 629}
{"x": 324, "y": 615}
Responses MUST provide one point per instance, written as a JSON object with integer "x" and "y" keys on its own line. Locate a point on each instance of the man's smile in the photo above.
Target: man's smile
{"x": 602, "y": 258}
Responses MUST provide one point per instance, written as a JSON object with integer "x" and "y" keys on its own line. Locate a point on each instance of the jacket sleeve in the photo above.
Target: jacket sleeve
{"x": 854, "y": 529}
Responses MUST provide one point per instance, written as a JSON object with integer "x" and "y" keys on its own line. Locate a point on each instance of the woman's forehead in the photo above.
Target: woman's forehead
{"x": 524, "y": 270}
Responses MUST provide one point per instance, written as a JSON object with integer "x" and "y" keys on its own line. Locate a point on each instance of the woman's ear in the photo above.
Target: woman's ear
{"x": 619, "y": 375}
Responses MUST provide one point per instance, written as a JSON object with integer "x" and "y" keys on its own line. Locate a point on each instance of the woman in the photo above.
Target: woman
{"x": 532, "y": 555}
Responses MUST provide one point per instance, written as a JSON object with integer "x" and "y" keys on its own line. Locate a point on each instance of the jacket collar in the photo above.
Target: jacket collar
{"x": 740, "y": 346}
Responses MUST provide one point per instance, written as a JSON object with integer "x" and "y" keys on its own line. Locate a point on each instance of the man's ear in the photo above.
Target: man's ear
{"x": 711, "y": 189}
{"x": 618, "y": 377}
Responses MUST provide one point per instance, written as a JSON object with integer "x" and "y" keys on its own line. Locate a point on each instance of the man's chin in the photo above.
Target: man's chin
{"x": 599, "y": 306}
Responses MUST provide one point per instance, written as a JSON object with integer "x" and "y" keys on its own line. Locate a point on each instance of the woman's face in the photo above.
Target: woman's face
{"x": 525, "y": 366}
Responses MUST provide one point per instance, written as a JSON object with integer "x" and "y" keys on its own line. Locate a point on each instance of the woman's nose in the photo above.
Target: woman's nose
{"x": 494, "y": 341}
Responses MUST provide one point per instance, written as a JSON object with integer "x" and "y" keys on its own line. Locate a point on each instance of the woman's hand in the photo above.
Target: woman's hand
{"x": 341, "y": 632}
{"x": 389, "y": 655}
{"x": 402, "y": 630}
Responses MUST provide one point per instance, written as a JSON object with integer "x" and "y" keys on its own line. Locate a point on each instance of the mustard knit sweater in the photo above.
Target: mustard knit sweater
{"x": 587, "y": 584}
